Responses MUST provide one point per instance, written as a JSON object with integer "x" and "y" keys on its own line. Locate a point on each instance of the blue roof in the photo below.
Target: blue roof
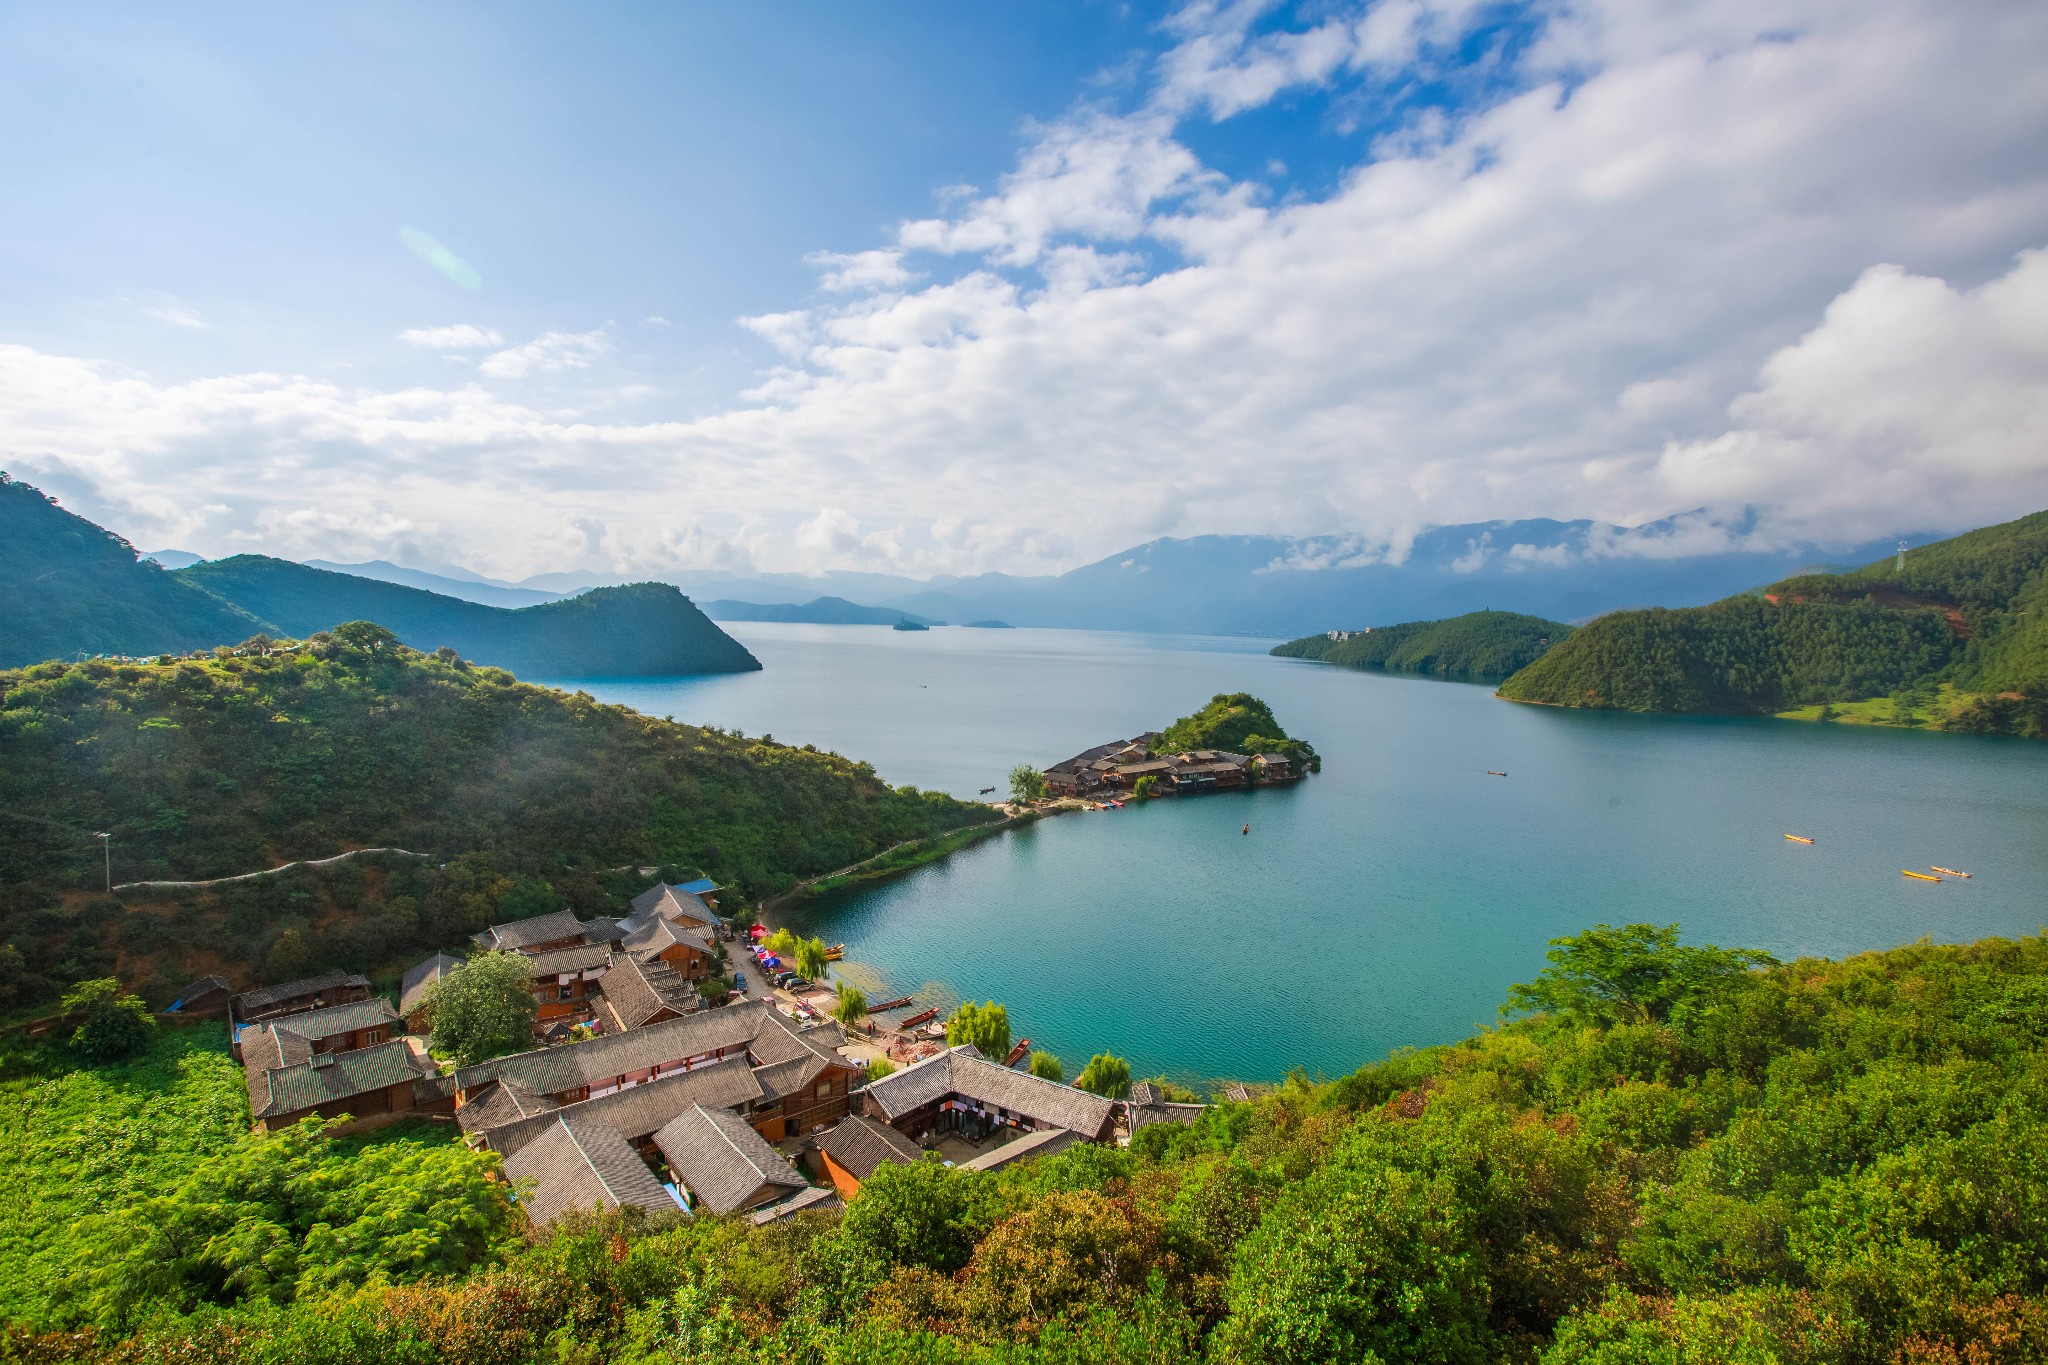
{"x": 699, "y": 887}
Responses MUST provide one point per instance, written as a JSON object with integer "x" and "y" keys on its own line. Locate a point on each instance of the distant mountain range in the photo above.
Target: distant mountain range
{"x": 1283, "y": 587}
{"x": 819, "y": 611}
{"x": 71, "y": 587}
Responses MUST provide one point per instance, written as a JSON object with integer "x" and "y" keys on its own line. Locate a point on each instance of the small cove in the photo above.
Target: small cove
{"x": 1388, "y": 901}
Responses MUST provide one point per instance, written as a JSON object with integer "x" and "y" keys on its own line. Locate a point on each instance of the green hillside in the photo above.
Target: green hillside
{"x": 1957, "y": 639}
{"x": 1479, "y": 644}
{"x": 1678, "y": 1155}
{"x": 1236, "y": 722}
{"x": 212, "y": 767}
{"x": 637, "y": 630}
{"x": 71, "y": 586}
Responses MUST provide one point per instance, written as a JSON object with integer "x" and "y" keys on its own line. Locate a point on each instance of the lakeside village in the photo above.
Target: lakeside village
{"x": 1131, "y": 767}
{"x": 643, "y": 1090}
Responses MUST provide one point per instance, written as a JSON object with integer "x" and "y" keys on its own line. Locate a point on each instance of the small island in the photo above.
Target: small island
{"x": 990, "y": 625}
{"x": 907, "y": 624}
{"x": 1479, "y": 644}
{"x": 1234, "y": 741}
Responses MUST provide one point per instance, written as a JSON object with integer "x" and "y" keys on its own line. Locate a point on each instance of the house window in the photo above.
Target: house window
{"x": 565, "y": 993}
{"x": 824, "y": 1089}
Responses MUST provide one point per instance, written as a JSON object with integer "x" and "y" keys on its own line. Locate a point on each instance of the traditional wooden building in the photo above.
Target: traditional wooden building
{"x": 293, "y": 997}
{"x": 576, "y": 1165}
{"x": 857, "y": 1148}
{"x": 723, "y": 1164}
{"x": 961, "y": 1091}
{"x": 337, "y": 1028}
{"x": 413, "y": 986}
{"x": 567, "y": 981}
{"x": 288, "y": 1081}
{"x": 534, "y": 935}
{"x": 637, "y": 994}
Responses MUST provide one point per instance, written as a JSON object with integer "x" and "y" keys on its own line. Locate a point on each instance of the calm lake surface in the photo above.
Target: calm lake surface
{"x": 1389, "y": 900}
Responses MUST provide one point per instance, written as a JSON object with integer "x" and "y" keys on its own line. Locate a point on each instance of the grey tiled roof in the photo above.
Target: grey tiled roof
{"x": 721, "y": 1159}
{"x": 412, "y": 987}
{"x": 667, "y": 902}
{"x": 639, "y": 1111}
{"x": 205, "y": 986}
{"x": 582, "y": 1166}
{"x": 263, "y": 998}
{"x": 1144, "y": 1115}
{"x": 860, "y": 1145}
{"x": 537, "y": 929}
{"x": 338, "y": 1019}
{"x": 818, "y": 1198}
{"x": 557, "y": 961}
{"x": 552, "y": 1070}
{"x": 339, "y": 1076}
{"x": 659, "y": 935}
{"x": 636, "y": 991}
{"x": 1042, "y": 1143}
{"x": 500, "y": 1103}
{"x": 965, "y": 1072}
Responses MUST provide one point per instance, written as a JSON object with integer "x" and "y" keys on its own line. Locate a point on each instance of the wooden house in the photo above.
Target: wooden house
{"x": 857, "y": 1148}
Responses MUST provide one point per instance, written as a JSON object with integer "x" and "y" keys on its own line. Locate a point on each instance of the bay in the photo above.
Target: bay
{"x": 1388, "y": 901}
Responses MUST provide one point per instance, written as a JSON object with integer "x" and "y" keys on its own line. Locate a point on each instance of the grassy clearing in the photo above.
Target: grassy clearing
{"x": 78, "y": 1143}
{"x": 1923, "y": 713}
{"x": 914, "y": 854}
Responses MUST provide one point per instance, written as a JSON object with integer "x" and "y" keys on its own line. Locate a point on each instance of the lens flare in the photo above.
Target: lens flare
{"x": 441, "y": 258}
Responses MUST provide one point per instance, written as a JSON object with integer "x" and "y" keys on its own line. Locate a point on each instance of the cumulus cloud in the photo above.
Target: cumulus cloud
{"x": 1758, "y": 259}
{"x": 461, "y": 336}
{"x": 547, "y": 353}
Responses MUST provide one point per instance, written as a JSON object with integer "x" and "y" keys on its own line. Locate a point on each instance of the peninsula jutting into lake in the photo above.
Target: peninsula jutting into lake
{"x": 1234, "y": 741}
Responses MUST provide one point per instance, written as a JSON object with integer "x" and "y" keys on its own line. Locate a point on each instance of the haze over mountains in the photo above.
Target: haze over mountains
{"x": 1260, "y": 585}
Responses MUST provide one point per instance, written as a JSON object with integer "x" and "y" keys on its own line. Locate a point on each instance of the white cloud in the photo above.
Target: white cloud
{"x": 859, "y": 270}
{"x": 547, "y": 353}
{"x": 461, "y": 336}
{"x": 176, "y": 314}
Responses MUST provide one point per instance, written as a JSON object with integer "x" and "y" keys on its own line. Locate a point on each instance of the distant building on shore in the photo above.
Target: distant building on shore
{"x": 1118, "y": 765}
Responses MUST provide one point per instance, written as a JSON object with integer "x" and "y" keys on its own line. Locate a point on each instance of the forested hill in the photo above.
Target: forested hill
{"x": 1236, "y": 722}
{"x": 637, "y": 630}
{"x": 1479, "y": 644}
{"x": 211, "y": 767}
{"x": 67, "y": 586}
{"x": 819, "y": 611}
{"x": 1958, "y": 639}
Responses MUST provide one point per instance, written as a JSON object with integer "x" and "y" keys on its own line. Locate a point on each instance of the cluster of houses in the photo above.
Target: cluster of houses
{"x": 1118, "y": 765}
{"x": 638, "y": 1092}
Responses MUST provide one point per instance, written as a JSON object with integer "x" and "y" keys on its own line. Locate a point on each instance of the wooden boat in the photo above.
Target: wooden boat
{"x": 1917, "y": 876}
{"x": 924, "y": 1018}
{"x": 1952, "y": 872}
{"x": 1017, "y": 1052}
{"x": 898, "y": 1003}
{"x": 835, "y": 952}
{"x": 1799, "y": 838}
{"x": 1494, "y": 772}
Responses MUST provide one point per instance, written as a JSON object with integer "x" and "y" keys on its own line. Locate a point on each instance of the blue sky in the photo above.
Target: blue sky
{"x": 945, "y": 288}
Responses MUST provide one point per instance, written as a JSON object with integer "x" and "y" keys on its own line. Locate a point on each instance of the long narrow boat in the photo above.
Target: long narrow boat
{"x": 914, "y": 1020}
{"x": 1917, "y": 876}
{"x": 1799, "y": 838}
{"x": 1017, "y": 1052}
{"x": 898, "y": 1003}
{"x": 1952, "y": 872}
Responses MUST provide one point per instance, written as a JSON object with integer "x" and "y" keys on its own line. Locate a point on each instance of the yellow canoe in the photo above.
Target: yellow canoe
{"x": 1799, "y": 838}
{"x": 1917, "y": 876}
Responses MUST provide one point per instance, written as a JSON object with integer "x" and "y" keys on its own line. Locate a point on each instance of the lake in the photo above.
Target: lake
{"x": 1389, "y": 900}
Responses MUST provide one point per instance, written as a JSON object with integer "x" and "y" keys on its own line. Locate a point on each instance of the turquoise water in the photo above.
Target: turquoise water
{"x": 1389, "y": 900}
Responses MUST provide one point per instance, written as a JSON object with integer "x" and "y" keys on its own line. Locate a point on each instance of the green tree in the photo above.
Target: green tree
{"x": 364, "y": 635}
{"x": 781, "y": 943}
{"x": 985, "y": 1027}
{"x": 917, "y": 1214}
{"x": 1047, "y": 1067}
{"x": 1144, "y": 787}
{"x": 879, "y": 1067}
{"x": 484, "y": 1010}
{"x": 851, "y": 1006}
{"x": 1106, "y": 1075}
{"x": 1634, "y": 974}
{"x": 810, "y": 958}
{"x": 1027, "y": 784}
{"x": 116, "y": 1026}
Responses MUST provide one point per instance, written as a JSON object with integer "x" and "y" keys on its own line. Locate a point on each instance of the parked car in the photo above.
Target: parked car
{"x": 784, "y": 978}
{"x": 799, "y": 983}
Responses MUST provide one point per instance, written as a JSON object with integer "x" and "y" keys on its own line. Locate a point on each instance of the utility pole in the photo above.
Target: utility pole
{"x": 1902, "y": 557}
{"x": 107, "y": 847}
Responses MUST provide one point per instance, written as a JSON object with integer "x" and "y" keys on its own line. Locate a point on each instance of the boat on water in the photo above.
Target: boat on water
{"x": 1917, "y": 876}
{"x": 1949, "y": 871}
{"x": 1494, "y": 772}
{"x": 1799, "y": 838}
{"x": 835, "y": 952}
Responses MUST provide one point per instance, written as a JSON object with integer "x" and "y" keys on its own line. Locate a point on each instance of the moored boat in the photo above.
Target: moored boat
{"x": 1952, "y": 872}
{"x": 1917, "y": 876}
{"x": 835, "y": 952}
